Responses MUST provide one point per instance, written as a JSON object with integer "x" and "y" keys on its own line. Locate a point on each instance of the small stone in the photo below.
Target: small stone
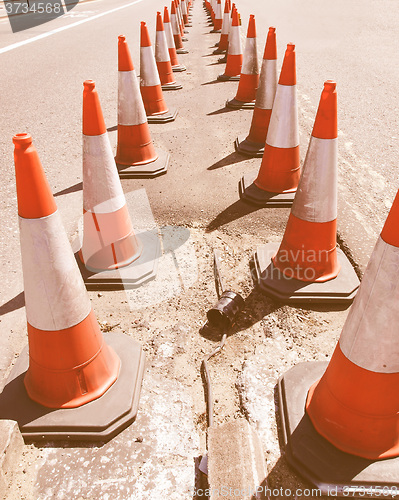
{"x": 139, "y": 439}
{"x": 99, "y": 295}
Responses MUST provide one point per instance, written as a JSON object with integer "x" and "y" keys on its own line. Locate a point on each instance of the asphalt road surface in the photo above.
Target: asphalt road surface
{"x": 43, "y": 68}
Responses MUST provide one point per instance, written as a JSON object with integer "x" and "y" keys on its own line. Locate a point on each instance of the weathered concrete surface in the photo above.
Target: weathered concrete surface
{"x": 153, "y": 458}
{"x": 11, "y": 445}
{"x": 236, "y": 464}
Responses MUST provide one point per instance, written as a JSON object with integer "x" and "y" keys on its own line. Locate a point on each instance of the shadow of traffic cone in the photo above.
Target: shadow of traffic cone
{"x": 171, "y": 43}
{"x": 249, "y": 78}
{"x": 111, "y": 253}
{"x": 224, "y": 34}
{"x": 150, "y": 84}
{"x": 352, "y": 419}
{"x": 176, "y": 30}
{"x": 254, "y": 144}
{"x": 234, "y": 52}
{"x": 70, "y": 368}
{"x": 135, "y": 152}
{"x": 307, "y": 266}
{"x": 162, "y": 58}
{"x": 217, "y": 25}
{"x": 279, "y": 173}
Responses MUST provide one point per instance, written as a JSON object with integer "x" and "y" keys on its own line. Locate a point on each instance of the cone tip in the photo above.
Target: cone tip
{"x": 330, "y": 85}
{"x": 290, "y": 47}
{"x": 121, "y": 38}
{"x": 89, "y": 85}
{"x": 272, "y": 29}
{"x": 22, "y": 140}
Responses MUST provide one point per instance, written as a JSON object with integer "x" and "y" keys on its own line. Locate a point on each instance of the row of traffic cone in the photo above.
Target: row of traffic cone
{"x": 354, "y": 404}
{"x": 70, "y": 366}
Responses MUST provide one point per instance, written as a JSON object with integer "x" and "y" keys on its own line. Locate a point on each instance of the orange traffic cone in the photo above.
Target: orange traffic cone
{"x": 249, "y": 78}
{"x": 150, "y": 84}
{"x": 234, "y": 53}
{"x": 162, "y": 58}
{"x": 307, "y": 265}
{"x": 176, "y": 30}
{"x": 135, "y": 152}
{"x": 111, "y": 252}
{"x": 224, "y": 34}
{"x": 71, "y": 369}
{"x": 349, "y": 434}
{"x": 185, "y": 12}
{"x": 218, "y": 21}
{"x": 279, "y": 172}
{"x": 254, "y": 143}
{"x": 179, "y": 16}
{"x": 171, "y": 43}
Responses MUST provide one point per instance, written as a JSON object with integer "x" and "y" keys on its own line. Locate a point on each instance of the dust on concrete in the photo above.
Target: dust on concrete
{"x": 175, "y": 339}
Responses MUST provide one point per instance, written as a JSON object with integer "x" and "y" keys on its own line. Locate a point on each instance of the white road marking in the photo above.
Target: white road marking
{"x": 63, "y": 28}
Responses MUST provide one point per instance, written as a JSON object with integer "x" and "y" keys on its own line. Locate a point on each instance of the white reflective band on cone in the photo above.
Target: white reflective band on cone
{"x": 161, "y": 47}
{"x": 101, "y": 185}
{"x": 316, "y": 195}
{"x": 283, "y": 126}
{"x": 226, "y": 23}
{"x": 175, "y": 25}
{"x": 235, "y": 41}
{"x": 368, "y": 338}
{"x": 148, "y": 69}
{"x": 55, "y": 294}
{"x": 267, "y": 84}
{"x": 169, "y": 35}
{"x": 250, "y": 65}
{"x": 130, "y": 104}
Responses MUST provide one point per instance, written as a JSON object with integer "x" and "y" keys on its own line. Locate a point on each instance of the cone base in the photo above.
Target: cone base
{"x": 99, "y": 420}
{"x": 272, "y": 282}
{"x": 171, "y": 86}
{"x": 169, "y": 116}
{"x": 181, "y": 51}
{"x": 255, "y": 196}
{"x": 234, "y": 104}
{"x": 218, "y": 51}
{"x": 178, "y": 68}
{"x": 147, "y": 170}
{"x": 134, "y": 275}
{"x": 249, "y": 148}
{"x": 314, "y": 457}
{"x": 226, "y": 78}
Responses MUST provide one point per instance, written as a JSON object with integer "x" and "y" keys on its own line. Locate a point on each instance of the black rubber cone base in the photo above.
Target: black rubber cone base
{"x": 99, "y": 420}
{"x": 333, "y": 471}
{"x": 181, "y": 51}
{"x": 225, "y": 78}
{"x": 249, "y": 148}
{"x": 234, "y": 104}
{"x": 134, "y": 275}
{"x": 172, "y": 86}
{"x": 255, "y": 196}
{"x": 178, "y": 68}
{"x": 169, "y": 116}
{"x": 340, "y": 290}
{"x": 148, "y": 170}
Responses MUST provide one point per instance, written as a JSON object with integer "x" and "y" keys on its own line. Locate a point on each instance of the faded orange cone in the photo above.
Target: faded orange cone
{"x": 162, "y": 58}
{"x": 249, "y": 78}
{"x": 110, "y": 248}
{"x": 280, "y": 171}
{"x": 135, "y": 152}
{"x": 150, "y": 83}
{"x": 224, "y": 34}
{"x": 234, "y": 53}
{"x": 218, "y": 21}
{"x": 351, "y": 422}
{"x": 308, "y": 253}
{"x": 176, "y": 30}
{"x": 171, "y": 43}
{"x": 71, "y": 368}
{"x": 254, "y": 143}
